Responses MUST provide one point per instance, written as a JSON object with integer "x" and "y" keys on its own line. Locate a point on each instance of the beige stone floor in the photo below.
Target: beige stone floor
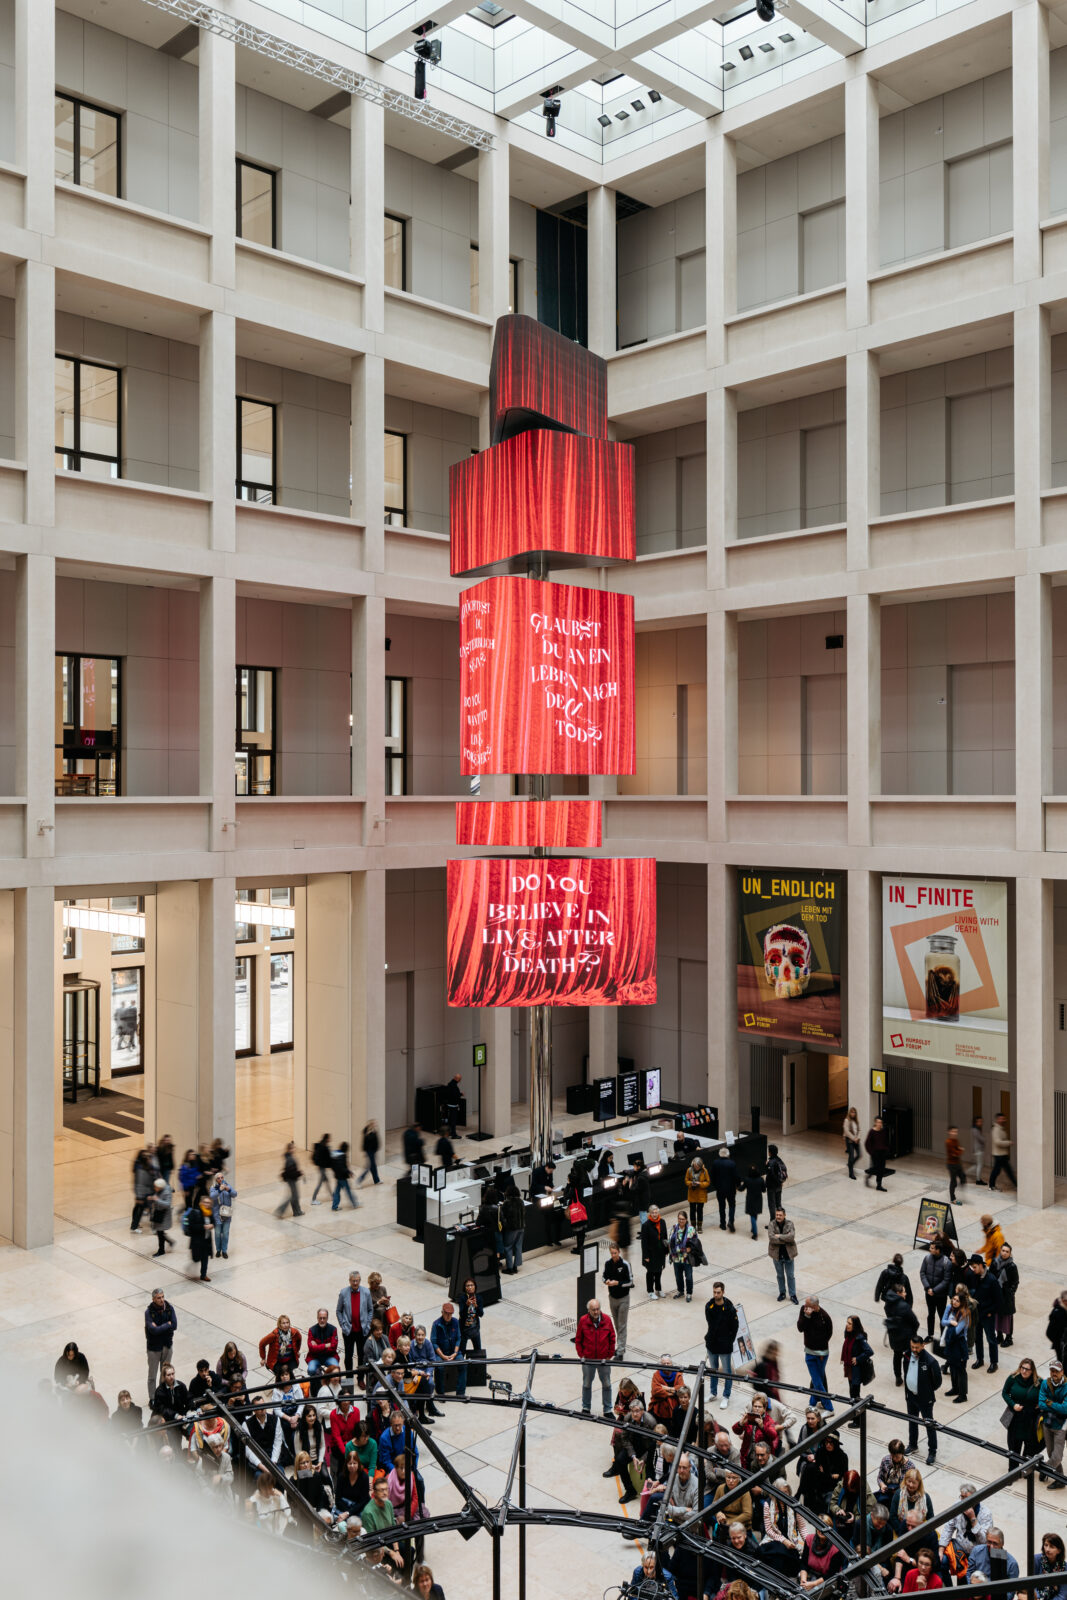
{"x": 93, "y": 1282}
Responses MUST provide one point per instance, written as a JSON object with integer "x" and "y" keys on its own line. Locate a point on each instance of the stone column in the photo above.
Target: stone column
{"x": 863, "y": 692}
{"x": 1033, "y": 1116}
{"x": 721, "y": 256}
{"x": 218, "y": 692}
{"x": 367, "y": 1031}
{"x": 861, "y": 192}
{"x": 217, "y": 101}
{"x": 496, "y": 1025}
{"x": 600, "y": 244}
{"x": 368, "y": 457}
{"x": 863, "y": 421}
{"x": 1030, "y": 136}
{"x": 367, "y": 216}
{"x": 1033, "y": 712}
{"x": 494, "y": 205}
{"x": 723, "y": 1089}
{"x": 368, "y": 714}
{"x": 35, "y": 394}
{"x": 216, "y": 1110}
{"x": 218, "y": 424}
{"x": 32, "y": 1152}
{"x": 35, "y": 134}
{"x": 180, "y": 1074}
{"x": 722, "y": 720}
{"x": 863, "y": 990}
{"x": 35, "y": 677}
{"x": 603, "y": 1041}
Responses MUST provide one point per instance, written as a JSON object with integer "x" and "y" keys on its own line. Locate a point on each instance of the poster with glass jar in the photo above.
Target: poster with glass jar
{"x": 945, "y": 971}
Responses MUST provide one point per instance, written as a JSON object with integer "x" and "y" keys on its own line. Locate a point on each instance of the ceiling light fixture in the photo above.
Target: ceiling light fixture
{"x": 130, "y": 924}
{"x": 729, "y": 66}
{"x": 550, "y": 111}
{"x": 622, "y": 116}
{"x": 655, "y": 96}
{"x": 766, "y": 48}
{"x": 605, "y": 122}
{"x": 746, "y": 52}
{"x": 427, "y": 53}
{"x": 786, "y": 38}
{"x": 638, "y": 105}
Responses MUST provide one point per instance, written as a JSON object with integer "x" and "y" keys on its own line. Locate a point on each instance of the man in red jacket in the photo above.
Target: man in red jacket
{"x": 595, "y": 1344}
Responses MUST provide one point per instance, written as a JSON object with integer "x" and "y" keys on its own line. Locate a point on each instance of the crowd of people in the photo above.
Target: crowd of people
{"x": 341, "y": 1442}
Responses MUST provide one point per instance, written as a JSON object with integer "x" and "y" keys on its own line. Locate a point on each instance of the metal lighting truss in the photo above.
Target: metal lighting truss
{"x": 331, "y": 72}
{"x": 859, "y": 1576}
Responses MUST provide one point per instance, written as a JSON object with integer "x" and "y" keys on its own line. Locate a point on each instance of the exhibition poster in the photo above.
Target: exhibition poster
{"x": 789, "y": 954}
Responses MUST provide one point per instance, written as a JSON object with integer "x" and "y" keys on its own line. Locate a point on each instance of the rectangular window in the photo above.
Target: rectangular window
{"x": 474, "y": 277}
{"x": 244, "y": 995}
{"x": 127, "y": 1009}
{"x": 88, "y": 437}
{"x": 88, "y": 145}
{"x": 513, "y": 286}
{"x": 282, "y": 897}
{"x": 396, "y": 478}
{"x": 255, "y": 730}
{"x": 126, "y": 943}
{"x": 281, "y": 1000}
{"x": 396, "y": 720}
{"x": 257, "y": 439}
{"x": 396, "y": 238}
{"x": 245, "y": 932}
{"x": 257, "y": 206}
{"x": 87, "y": 726}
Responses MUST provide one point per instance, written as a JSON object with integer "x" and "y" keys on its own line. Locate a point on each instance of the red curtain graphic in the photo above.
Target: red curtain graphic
{"x": 543, "y": 491}
{"x": 537, "y": 374}
{"x": 529, "y": 824}
{"x": 546, "y": 678}
{"x": 561, "y": 931}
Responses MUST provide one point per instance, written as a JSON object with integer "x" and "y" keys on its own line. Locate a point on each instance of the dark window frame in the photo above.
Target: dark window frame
{"x": 75, "y": 454}
{"x": 403, "y": 755}
{"x": 272, "y": 174}
{"x": 391, "y": 216}
{"x": 391, "y": 433}
{"x": 250, "y": 1048}
{"x": 288, "y": 956}
{"x": 76, "y": 751}
{"x": 133, "y": 1071}
{"x": 250, "y": 483}
{"x": 513, "y": 283}
{"x": 253, "y": 750}
{"x": 79, "y": 104}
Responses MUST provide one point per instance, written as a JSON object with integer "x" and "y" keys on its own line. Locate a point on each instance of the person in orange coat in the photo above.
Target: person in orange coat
{"x": 994, "y": 1239}
{"x": 281, "y": 1347}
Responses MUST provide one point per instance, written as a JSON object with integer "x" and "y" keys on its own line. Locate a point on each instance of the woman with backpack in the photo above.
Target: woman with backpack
{"x": 321, "y": 1158}
{"x": 857, "y": 1358}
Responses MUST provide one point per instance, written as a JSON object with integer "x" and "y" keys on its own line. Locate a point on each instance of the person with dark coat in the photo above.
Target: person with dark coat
{"x": 654, "y": 1252}
{"x": 342, "y": 1172}
{"x": 171, "y": 1399}
{"x": 453, "y": 1099}
{"x": 725, "y": 1180}
{"x": 754, "y": 1187}
{"x": 876, "y": 1145}
{"x": 855, "y": 1354}
{"x": 445, "y": 1151}
{"x": 323, "y": 1162}
{"x": 775, "y": 1176}
{"x": 1056, "y": 1326}
{"x": 901, "y": 1325}
{"x": 987, "y": 1300}
{"x": 893, "y": 1276}
{"x": 1021, "y": 1393}
{"x": 720, "y": 1315}
{"x": 935, "y": 1277}
{"x": 641, "y": 1193}
{"x": 160, "y": 1326}
{"x": 922, "y": 1379}
{"x": 200, "y": 1247}
{"x": 1007, "y": 1275}
{"x": 126, "y": 1417}
{"x": 816, "y": 1326}
{"x": 414, "y": 1148}
{"x": 71, "y": 1368}
{"x": 370, "y": 1143}
{"x": 291, "y": 1176}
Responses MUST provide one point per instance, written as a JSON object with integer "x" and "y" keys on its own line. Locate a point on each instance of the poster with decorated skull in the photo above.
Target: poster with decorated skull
{"x": 789, "y": 954}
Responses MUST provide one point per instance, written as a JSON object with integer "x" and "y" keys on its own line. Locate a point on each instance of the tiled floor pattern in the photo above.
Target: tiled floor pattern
{"x": 92, "y": 1285}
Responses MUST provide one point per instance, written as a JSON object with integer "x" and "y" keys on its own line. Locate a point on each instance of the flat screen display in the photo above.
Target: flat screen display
{"x": 650, "y": 1089}
{"x": 529, "y": 824}
{"x": 629, "y": 1097}
{"x": 546, "y": 679}
{"x": 604, "y": 1110}
{"x": 559, "y": 930}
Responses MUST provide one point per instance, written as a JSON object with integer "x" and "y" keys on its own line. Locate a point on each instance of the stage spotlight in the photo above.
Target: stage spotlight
{"x": 427, "y": 53}
{"x": 765, "y": 10}
{"x": 605, "y": 122}
{"x": 655, "y": 96}
{"x": 746, "y": 52}
{"x": 550, "y": 111}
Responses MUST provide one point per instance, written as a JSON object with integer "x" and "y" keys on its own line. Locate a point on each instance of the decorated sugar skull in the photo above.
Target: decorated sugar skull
{"x": 787, "y": 960}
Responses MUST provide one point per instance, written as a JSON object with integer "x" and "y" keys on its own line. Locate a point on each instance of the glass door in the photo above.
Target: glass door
{"x": 127, "y": 1013}
{"x": 81, "y": 1032}
{"x": 281, "y": 1000}
{"x": 245, "y": 1005}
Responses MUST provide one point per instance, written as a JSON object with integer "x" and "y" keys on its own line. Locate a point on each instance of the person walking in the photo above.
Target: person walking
{"x": 143, "y": 1180}
{"x": 684, "y": 1248}
{"x": 512, "y": 1228}
{"x": 453, "y": 1099}
{"x": 978, "y": 1149}
{"x": 992, "y": 1239}
{"x": 342, "y": 1173}
{"x": 1020, "y": 1394}
{"x": 725, "y": 1177}
{"x": 922, "y": 1379}
{"x": 877, "y": 1146}
{"x": 697, "y": 1183}
{"x": 782, "y": 1249}
{"x": 753, "y": 1186}
{"x": 323, "y": 1161}
{"x": 954, "y": 1163}
{"x": 200, "y": 1236}
{"x": 162, "y": 1214}
{"x": 1056, "y": 1327}
{"x": 222, "y": 1197}
{"x": 653, "y": 1252}
{"x": 370, "y": 1144}
{"x": 1001, "y": 1151}
{"x": 1052, "y": 1408}
{"x": 955, "y": 1345}
{"x": 850, "y": 1130}
{"x": 775, "y": 1174}
{"x": 291, "y": 1176}
{"x": 594, "y": 1340}
{"x": 720, "y": 1315}
{"x": 1007, "y": 1275}
{"x": 935, "y": 1278}
{"x": 165, "y": 1158}
{"x": 160, "y": 1326}
{"x": 817, "y": 1328}
{"x": 618, "y": 1275}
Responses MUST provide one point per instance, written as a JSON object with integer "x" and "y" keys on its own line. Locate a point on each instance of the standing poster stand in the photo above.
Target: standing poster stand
{"x": 481, "y": 1057}
{"x": 588, "y": 1273}
{"x": 935, "y": 1216}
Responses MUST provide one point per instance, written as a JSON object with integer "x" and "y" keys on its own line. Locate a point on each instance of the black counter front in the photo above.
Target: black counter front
{"x": 546, "y": 1224}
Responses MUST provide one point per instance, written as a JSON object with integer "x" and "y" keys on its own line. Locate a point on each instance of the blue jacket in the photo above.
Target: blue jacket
{"x": 445, "y": 1336}
{"x": 389, "y": 1446}
{"x": 422, "y": 1355}
{"x": 1052, "y": 1404}
{"x": 978, "y": 1561}
{"x": 160, "y": 1325}
{"x": 665, "y": 1577}
{"x": 216, "y": 1200}
{"x": 953, "y": 1341}
{"x": 1052, "y": 1590}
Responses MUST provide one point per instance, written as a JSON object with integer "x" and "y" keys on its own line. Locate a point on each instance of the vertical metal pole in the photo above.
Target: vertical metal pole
{"x": 496, "y": 1563}
{"x": 522, "y": 1503}
{"x": 700, "y": 1480}
{"x": 1029, "y": 1523}
{"x": 540, "y": 1016}
{"x": 409, "y": 1473}
{"x": 861, "y": 1510}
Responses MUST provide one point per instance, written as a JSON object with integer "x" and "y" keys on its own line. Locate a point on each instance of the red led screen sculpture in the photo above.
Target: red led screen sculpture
{"x": 547, "y": 686}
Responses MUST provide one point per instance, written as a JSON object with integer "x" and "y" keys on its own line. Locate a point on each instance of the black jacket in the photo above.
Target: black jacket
{"x": 929, "y": 1379}
{"x": 893, "y": 1277}
{"x": 371, "y": 1142}
{"x": 512, "y": 1212}
{"x": 1007, "y": 1275}
{"x": 936, "y": 1273}
{"x": 987, "y": 1295}
{"x": 724, "y": 1176}
{"x": 641, "y": 1197}
{"x": 654, "y": 1242}
{"x": 618, "y": 1275}
{"x": 170, "y": 1403}
{"x": 1056, "y": 1328}
{"x": 722, "y": 1327}
{"x": 414, "y": 1149}
{"x": 160, "y": 1325}
{"x": 818, "y": 1329}
{"x": 900, "y": 1320}
{"x": 320, "y": 1156}
{"x": 753, "y": 1187}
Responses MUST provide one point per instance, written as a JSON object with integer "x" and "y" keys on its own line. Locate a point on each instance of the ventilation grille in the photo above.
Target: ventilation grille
{"x": 766, "y": 1080}
{"x": 914, "y": 1087}
{"x": 1059, "y": 1154}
